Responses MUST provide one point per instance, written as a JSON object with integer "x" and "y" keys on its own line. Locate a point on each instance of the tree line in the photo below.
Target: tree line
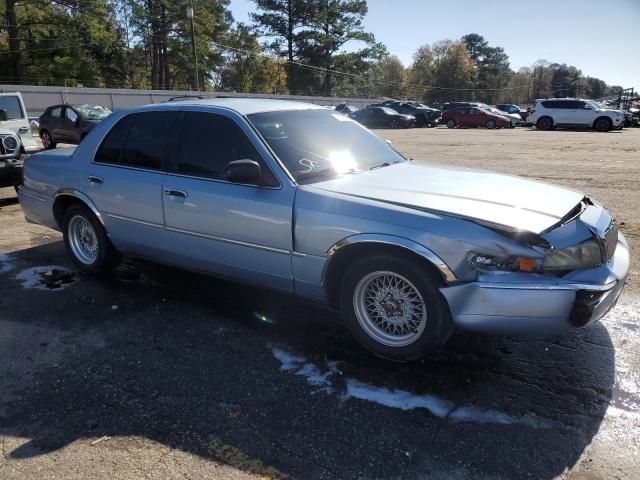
{"x": 312, "y": 47}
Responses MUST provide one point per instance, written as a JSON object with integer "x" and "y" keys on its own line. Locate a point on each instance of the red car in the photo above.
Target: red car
{"x": 474, "y": 117}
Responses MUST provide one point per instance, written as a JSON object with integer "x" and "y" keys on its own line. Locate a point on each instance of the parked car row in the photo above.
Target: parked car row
{"x": 544, "y": 114}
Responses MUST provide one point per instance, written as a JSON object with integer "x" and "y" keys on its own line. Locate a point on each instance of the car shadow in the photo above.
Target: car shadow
{"x": 273, "y": 385}
{"x": 8, "y": 201}
{"x": 570, "y": 130}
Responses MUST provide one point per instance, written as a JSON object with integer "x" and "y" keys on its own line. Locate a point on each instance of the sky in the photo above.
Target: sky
{"x": 598, "y": 37}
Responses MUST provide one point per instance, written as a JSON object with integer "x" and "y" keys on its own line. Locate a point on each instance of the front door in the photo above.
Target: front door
{"x": 67, "y": 129}
{"x": 232, "y": 229}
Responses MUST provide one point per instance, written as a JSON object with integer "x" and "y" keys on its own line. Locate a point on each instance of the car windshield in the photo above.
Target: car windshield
{"x": 593, "y": 104}
{"x": 93, "y": 112}
{"x": 11, "y": 105}
{"x": 316, "y": 145}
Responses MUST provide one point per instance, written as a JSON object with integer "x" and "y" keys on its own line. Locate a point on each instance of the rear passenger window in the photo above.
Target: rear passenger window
{"x": 137, "y": 140}
{"x": 111, "y": 147}
{"x": 209, "y": 142}
{"x": 56, "y": 112}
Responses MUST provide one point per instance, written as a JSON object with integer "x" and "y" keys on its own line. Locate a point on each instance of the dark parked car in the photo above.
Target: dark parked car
{"x": 383, "y": 117}
{"x": 474, "y": 117}
{"x": 451, "y": 105}
{"x": 425, "y": 116}
{"x": 69, "y": 123}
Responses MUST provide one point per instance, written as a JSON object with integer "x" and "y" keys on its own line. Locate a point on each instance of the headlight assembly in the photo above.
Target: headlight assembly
{"x": 583, "y": 255}
{"x": 481, "y": 262}
{"x": 10, "y": 143}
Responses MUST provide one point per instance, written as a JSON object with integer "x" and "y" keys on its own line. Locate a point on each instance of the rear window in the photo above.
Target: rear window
{"x": 12, "y": 106}
{"x": 137, "y": 140}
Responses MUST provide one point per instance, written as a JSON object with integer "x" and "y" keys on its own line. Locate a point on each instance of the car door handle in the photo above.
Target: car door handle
{"x": 172, "y": 192}
{"x": 93, "y": 179}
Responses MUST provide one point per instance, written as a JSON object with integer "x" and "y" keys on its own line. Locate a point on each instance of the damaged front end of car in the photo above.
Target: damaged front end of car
{"x": 573, "y": 276}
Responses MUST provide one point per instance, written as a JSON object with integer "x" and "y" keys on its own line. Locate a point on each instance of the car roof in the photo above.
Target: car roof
{"x": 244, "y": 106}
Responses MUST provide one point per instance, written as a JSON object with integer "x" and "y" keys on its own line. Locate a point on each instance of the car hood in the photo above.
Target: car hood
{"x": 491, "y": 198}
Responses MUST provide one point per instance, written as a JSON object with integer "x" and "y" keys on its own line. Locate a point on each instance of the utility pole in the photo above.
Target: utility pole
{"x": 190, "y": 15}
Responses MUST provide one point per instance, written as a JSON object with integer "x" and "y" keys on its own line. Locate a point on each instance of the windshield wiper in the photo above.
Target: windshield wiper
{"x": 323, "y": 173}
{"x": 382, "y": 165}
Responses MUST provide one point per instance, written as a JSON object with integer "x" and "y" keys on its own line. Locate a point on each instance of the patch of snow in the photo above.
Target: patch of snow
{"x": 313, "y": 375}
{"x": 31, "y": 278}
{"x": 401, "y": 399}
{"x": 6, "y": 263}
{"x": 396, "y": 398}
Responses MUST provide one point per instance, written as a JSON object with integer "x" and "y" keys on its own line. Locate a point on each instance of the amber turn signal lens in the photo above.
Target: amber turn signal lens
{"x": 527, "y": 264}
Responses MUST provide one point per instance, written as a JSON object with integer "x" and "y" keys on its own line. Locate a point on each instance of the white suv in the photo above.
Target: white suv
{"x": 573, "y": 112}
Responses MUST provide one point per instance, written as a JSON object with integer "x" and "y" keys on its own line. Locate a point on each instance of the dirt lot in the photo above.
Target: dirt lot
{"x": 158, "y": 373}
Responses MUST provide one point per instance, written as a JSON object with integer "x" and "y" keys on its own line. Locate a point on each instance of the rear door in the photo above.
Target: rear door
{"x": 563, "y": 112}
{"x": 212, "y": 224}
{"x": 125, "y": 180}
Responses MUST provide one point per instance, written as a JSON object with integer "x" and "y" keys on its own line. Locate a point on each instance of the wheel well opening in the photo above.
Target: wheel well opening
{"x": 601, "y": 118}
{"x": 61, "y": 204}
{"x": 349, "y": 254}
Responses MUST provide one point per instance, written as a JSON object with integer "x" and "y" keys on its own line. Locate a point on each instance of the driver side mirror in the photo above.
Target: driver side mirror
{"x": 243, "y": 171}
{"x": 3, "y": 115}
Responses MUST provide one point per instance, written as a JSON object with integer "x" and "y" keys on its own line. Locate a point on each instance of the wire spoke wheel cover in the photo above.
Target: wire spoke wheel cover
{"x": 83, "y": 239}
{"x": 390, "y": 309}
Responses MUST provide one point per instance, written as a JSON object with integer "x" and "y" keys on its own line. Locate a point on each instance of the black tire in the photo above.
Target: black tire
{"x": 451, "y": 123}
{"x": 544, "y": 123}
{"x": 47, "y": 140}
{"x": 393, "y": 124}
{"x": 603, "y": 124}
{"x": 437, "y": 326}
{"x": 491, "y": 124}
{"x": 107, "y": 257}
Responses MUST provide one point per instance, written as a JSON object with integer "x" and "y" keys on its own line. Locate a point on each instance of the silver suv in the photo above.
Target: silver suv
{"x": 550, "y": 113}
{"x": 16, "y": 140}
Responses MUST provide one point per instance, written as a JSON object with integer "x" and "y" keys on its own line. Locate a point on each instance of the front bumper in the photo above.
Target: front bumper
{"x": 538, "y": 305}
{"x": 10, "y": 172}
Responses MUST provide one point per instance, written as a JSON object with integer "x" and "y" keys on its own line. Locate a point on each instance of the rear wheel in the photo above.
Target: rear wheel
{"x": 47, "y": 140}
{"x": 544, "y": 123}
{"x": 603, "y": 124}
{"x": 451, "y": 123}
{"x": 86, "y": 241}
{"x": 393, "y": 307}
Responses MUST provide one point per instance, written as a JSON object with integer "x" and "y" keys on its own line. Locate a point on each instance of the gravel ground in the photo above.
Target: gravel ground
{"x": 157, "y": 373}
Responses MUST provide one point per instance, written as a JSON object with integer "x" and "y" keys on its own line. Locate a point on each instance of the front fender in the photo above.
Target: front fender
{"x": 394, "y": 240}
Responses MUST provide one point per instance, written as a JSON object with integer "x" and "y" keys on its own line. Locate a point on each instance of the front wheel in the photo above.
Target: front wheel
{"x": 451, "y": 124}
{"x": 603, "y": 124}
{"x": 392, "y": 306}
{"x": 491, "y": 124}
{"x": 394, "y": 124}
{"x": 86, "y": 241}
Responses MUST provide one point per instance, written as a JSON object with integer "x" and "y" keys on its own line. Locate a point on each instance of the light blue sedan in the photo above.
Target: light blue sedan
{"x": 299, "y": 198}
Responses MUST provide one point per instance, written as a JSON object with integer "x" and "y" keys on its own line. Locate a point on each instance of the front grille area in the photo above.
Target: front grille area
{"x": 611, "y": 240}
{"x": 2, "y": 152}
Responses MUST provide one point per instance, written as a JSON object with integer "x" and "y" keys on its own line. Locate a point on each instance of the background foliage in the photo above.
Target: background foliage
{"x": 291, "y": 46}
